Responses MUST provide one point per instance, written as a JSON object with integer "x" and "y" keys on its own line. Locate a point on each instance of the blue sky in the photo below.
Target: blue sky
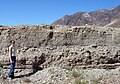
{"x": 18, "y": 12}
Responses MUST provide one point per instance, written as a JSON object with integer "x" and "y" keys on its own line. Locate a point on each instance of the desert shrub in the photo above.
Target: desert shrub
{"x": 97, "y": 81}
{"x": 68, "y": 68}
{"x": 84, "y": 82}
{"x": 75, "y": 74}
{"x": 77, "y": 81}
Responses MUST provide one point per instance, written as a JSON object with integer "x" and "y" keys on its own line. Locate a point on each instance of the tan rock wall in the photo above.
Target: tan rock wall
{"x": 62, "y": 45}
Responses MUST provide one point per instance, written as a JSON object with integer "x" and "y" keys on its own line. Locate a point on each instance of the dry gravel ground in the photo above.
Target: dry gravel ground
{"x": 57, "y": 75}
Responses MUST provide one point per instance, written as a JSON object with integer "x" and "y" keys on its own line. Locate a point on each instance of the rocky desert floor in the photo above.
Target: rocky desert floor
{"x": 57, "y": 75}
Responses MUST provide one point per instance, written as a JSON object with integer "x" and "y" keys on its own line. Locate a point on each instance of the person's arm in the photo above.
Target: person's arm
{"x": 10, "y": 54}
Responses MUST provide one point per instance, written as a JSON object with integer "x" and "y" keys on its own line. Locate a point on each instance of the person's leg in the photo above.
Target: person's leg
{"x": 12, "y": 67}
{"x": 12, "y": 74}
{"x": 11, "y": 70}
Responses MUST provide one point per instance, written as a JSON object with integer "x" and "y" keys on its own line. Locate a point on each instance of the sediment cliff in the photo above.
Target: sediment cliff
{"x": 49, "y": 45}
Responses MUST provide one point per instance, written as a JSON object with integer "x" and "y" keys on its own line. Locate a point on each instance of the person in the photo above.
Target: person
{"x": 12, "y": 59}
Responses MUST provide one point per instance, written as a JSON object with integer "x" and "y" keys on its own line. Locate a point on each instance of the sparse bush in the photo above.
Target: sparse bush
{"x": 75, "y": 74}
{"x": 107, "y": 68}
{"x": 2, "y": 73}
{"x": 68, "y": 68}
{"x": 97, "y": 81}
{"x": 77, "y": 81}
{"x": 84, "y": 82}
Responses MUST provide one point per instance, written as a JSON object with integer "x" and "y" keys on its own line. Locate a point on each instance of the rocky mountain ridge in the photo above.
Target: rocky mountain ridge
{"x": 104, "y": 17}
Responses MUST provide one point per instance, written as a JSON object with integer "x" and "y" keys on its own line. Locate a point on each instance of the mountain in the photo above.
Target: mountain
{"x": 105, "y": 17}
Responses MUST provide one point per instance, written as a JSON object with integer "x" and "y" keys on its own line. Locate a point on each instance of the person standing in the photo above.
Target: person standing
{"x": 12, "y": 58}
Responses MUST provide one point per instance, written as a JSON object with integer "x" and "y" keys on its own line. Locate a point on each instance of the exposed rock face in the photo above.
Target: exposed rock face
{"x": 107, "y": 17}
{"x": 62, "y": 46}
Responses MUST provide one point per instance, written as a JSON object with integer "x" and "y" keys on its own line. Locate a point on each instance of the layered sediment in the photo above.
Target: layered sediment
{"x": 48, "y": 45}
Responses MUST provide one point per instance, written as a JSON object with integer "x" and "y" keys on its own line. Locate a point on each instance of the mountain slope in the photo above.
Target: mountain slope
{"x": 99, "y": 18}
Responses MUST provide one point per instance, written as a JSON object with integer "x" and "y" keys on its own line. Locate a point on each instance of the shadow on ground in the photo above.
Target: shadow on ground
{"x": 35, "y": 65}
{"x": 29, "y": 74}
